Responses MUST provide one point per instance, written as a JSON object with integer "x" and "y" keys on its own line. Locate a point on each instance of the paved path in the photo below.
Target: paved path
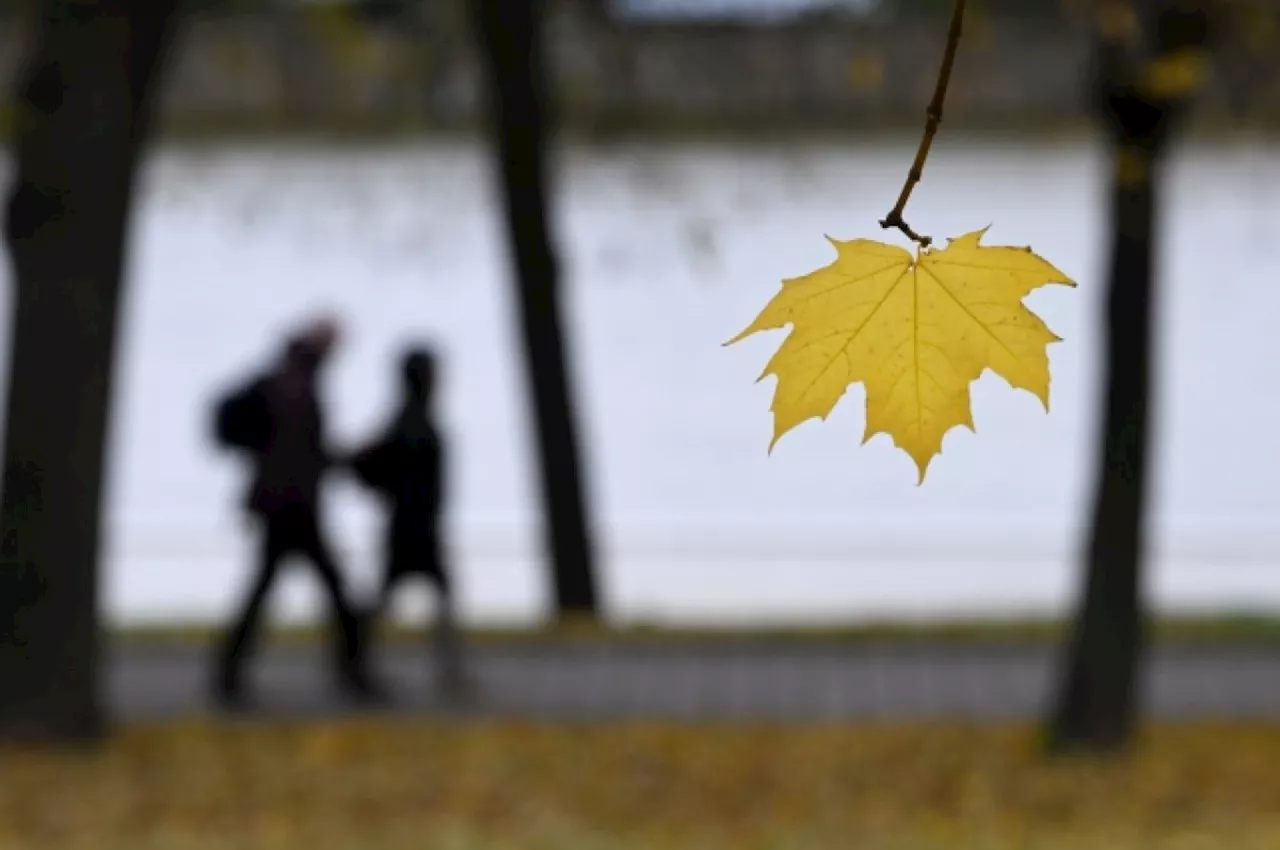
{"x": 765, "y": 681}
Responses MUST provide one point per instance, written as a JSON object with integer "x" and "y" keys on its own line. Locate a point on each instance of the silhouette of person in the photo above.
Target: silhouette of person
{"x": 278, "y": 420}
{"x": 405, "y": 466}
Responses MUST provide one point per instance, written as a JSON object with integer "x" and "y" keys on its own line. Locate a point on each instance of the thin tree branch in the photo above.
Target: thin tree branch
{"x": 932, "y": 120}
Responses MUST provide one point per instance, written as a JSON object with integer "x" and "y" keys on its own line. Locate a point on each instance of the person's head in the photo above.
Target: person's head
{"x": 418, "y": 369}
{"x": 307, "y": 349}
{"x": 323, "y": 334}
{"x": 300, "y": 356}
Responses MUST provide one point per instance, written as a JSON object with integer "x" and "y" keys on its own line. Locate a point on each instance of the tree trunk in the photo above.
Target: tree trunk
{"x": 1096, "y": 709}
{"x": 511, "y": 38}
{"x": 83, "y": 109}
{"x": 1097, "y": 704}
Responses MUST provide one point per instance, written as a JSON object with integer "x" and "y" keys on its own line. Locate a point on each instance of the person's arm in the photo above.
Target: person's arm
{"x": 330, "y": 457}
{"x": 374, "y": 465}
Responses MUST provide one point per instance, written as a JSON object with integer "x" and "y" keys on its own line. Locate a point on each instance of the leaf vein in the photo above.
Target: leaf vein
{"x": 970, "y": 314}
{"x": 853, "y": 336}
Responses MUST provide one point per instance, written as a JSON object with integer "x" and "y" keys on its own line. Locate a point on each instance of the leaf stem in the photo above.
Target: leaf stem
{"x": 933, "y": 117}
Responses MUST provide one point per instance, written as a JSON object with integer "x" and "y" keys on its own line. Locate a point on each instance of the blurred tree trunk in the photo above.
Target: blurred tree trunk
{"x": 511, "y": 35}
{"x": 1148, "y": 66}
{"x": 83, "y": 109}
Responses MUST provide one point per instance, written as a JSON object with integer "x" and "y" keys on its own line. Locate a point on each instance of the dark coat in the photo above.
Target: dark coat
{"x": 276, "y": 419}
{"x": 405, "y": 465}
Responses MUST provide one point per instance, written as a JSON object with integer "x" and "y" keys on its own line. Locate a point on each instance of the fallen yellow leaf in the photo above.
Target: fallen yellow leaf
{"x": 917, "y": 331}
{"x": 413, "y": 783}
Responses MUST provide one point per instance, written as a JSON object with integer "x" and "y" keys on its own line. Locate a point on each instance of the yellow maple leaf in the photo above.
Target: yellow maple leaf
{"x": 917, "y": 331}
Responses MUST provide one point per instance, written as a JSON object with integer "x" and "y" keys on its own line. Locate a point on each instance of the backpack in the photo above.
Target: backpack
{"x": 240, "y": 419}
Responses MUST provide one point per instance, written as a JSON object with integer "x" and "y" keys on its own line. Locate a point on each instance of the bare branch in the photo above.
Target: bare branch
{"x": 933, "y": 117}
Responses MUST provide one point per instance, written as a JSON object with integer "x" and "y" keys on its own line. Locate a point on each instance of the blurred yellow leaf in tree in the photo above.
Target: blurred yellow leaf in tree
{"x": 866, "y": 73}
{"x": 916, "y": 331}
{"x": 1118, "y": 21}
{"x": 1175, "y": 74}
{"x": 351, "y": 44}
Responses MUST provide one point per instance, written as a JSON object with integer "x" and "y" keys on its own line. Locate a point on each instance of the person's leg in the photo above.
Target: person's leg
{"x": 373, "y": 615}
{"x": 238, "y": 643}
{"x": 350, "y": 657}
{"x": 448, "y": 641}
{"x": 391, "y": 576}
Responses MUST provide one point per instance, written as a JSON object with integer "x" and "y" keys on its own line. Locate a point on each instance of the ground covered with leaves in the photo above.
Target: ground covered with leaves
{"x": 365, "y": 784}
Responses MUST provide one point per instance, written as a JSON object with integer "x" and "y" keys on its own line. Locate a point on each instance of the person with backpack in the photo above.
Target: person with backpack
{"x": 276, "y": 420}
{"x": 405, "y": 465}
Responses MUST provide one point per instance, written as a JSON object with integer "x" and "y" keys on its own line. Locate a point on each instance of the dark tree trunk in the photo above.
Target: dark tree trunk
{"x": 511, "y": 38}
{"x": 1096, "y": 709}
{"x": 83, "y": 109}
{"x": 1097, "y": 703}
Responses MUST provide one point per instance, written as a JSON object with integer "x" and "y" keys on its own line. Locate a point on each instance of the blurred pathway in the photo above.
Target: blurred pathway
{"x": 765, "y": 681}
